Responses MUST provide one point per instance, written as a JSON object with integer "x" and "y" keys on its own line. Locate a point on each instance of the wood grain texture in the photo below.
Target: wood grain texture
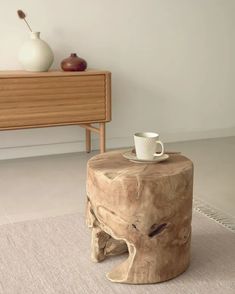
{"x": 108, "y": 96}
{"x": 54, "y": 98}
{"x": 147, "y": 206}
{"x": 102, "y": 244}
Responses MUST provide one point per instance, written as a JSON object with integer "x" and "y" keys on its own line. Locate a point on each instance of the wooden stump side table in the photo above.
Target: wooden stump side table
{"x": 143, "y": 208}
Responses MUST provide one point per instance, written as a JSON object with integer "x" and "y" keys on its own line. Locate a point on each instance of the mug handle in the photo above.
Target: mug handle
{"x": 162, "y": 152}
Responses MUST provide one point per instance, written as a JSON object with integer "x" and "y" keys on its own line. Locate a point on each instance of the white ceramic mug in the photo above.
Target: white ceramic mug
{"x": 146, "y": 145}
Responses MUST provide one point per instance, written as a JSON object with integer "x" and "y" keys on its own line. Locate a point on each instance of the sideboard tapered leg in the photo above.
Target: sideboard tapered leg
{"x": 102, "y": 137}
{"x": 88, "y": 141}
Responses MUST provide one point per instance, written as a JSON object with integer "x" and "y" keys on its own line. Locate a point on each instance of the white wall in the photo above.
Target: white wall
{"x": 173, "y": 65}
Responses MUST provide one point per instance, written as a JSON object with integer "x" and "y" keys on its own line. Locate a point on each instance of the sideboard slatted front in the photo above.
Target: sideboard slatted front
{"x": 56, "y": 98}
{"x": 38, "y": 101}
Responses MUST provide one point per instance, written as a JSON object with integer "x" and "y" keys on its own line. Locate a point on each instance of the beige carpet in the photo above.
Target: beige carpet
{"x": 52, "y": 256}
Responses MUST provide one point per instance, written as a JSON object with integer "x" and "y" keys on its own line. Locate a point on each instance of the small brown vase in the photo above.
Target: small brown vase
{"x": 73, "y": 63}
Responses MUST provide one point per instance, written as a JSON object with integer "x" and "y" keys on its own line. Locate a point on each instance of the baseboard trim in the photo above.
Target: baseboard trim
{"x": 58, "y": 148}
{"x": 198, "y": 135}
{"x": 118, "y": 142}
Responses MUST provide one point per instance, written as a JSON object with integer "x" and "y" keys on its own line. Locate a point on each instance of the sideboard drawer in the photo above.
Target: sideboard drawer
{"x": 54, "y": 100}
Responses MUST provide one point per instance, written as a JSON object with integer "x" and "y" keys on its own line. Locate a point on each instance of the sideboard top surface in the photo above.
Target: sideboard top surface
{"x": 52, "y": 73}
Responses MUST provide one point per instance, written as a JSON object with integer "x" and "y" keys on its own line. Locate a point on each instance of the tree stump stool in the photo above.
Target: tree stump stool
{"x": 145, "y": 209}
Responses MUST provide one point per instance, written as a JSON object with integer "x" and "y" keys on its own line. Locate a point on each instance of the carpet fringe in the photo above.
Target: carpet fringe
{"x": 215, "y": 214}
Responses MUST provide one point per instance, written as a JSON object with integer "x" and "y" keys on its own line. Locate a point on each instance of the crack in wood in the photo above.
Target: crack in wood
{"x": 134, "y": 226}
{"x": 156, "y": 229}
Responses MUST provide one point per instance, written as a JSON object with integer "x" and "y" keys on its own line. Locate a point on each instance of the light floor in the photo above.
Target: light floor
{"x": 45, "y": 186}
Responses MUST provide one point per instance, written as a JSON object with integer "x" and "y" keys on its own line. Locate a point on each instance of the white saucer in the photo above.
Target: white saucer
{"x": 132, "y": 157}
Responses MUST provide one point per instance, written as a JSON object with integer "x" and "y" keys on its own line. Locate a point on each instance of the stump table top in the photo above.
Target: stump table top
{"x": 112, "y": 165}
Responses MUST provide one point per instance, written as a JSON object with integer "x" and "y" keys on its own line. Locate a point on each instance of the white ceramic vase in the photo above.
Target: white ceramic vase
{"x": 35, "y": 54}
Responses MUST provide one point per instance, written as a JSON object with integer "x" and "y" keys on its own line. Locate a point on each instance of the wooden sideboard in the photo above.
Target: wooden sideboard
{"x": 56, "y": 98}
